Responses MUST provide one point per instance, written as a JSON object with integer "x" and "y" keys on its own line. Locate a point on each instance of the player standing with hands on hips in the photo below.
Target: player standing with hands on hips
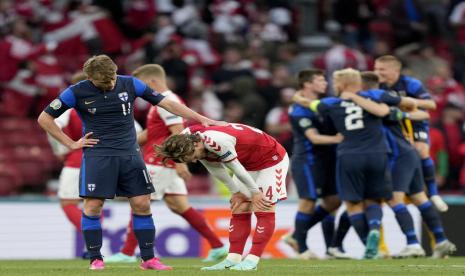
{"x": 111, "y": 162}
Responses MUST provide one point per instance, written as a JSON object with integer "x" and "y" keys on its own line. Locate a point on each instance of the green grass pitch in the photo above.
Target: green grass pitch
{"x": 191, "y": 267}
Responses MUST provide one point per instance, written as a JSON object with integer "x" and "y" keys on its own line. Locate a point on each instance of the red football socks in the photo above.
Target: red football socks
{"x": 198, "y": 222}
{"x": 263, "y": 232}
{"x": 130, "y": 244}
{"x": 73, "y": 213}
{"x": 239, "y": 230}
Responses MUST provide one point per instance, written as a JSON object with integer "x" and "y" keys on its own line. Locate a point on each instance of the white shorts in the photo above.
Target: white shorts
{"x": 166, "y": 182}
{"x": 271, "y": 181}
{"x": 69, "y": 183}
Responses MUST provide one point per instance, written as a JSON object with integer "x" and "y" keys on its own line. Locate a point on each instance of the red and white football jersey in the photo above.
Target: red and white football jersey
{"x": 158, "y": 121}
{"x": 71, "y": 125}
{"x": 254, "y": 149}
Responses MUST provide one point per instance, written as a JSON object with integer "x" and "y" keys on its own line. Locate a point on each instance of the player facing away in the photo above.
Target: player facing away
{"x": 407, "y": 178}
{"x": 259, "y": 166}
{"x": 169, "y": 177}
{"x": 313, "y": 165}
{"x": 111, "y": 161}
{"x": 388, "y": 68}
{"x": 362, "y": 173}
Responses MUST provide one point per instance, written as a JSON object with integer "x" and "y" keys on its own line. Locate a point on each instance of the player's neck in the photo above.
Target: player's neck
{"x": 310, "y": 94}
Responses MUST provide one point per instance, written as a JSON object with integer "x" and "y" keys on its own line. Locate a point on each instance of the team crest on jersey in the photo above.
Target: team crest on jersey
{"x": 56, "y": 104}
{"x": 123, "y": 96}
{"x": 91, "y": 187}
{"x": 92, "y": 110}
{"x": 305, "y": 122}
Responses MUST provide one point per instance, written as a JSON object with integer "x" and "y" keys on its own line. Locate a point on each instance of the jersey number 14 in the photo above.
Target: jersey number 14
{"x": 354, "y": 118}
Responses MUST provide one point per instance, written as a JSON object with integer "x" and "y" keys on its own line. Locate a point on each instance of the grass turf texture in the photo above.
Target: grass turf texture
{"x": 191, "y": 267}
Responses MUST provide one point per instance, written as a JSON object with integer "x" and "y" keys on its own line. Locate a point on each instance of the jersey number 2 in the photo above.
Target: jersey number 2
{"x": 354, "y": 118}
{"x": 126, "y": 109}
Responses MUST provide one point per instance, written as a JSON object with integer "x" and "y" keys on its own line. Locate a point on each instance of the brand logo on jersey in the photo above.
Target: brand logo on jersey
{"x": 305, "y": 122}
{"x": 91, "y": 187}
{"x": 123, "y": 96}
{"x": 92, "y": 110}
{"x": 225, "y": 155}
{"x": 89, "y": 102}
{"x": 56, "y": 104}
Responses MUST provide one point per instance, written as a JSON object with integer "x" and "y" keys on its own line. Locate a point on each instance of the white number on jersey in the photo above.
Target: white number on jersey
{"x": 241, "y": 127}
{"x": 354, "y": 118}
{"x": 126, "y": 110}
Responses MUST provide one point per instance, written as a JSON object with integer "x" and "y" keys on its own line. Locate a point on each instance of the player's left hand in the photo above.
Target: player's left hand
{"x": 237, "y": 199}
{"x": 259, "y": 202}
{"x": 183, "y": 171}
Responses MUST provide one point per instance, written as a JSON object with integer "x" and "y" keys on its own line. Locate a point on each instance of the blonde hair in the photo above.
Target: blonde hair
{"x": 77, "y": 77}
{"x": 177, "y": 147}
{"x": 102, "y": 70}
{"x": 347, "y": 77}
{"x": 149, "y": 70}
{"x": 390, "y": 59}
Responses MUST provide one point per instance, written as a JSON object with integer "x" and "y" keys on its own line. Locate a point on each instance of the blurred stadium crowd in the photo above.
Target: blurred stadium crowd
{"x": 230, "y": 60}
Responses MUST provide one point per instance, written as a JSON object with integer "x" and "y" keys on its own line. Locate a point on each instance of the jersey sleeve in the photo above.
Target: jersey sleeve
{"x": 416, "y": 90}
{"x": 221, "y": 144}
{"x": 65, "y": 101}
{"x": 146, "y": 93}
{"x": 168, "y": 117}
{"x": 303, "y": 122}
{"x": 382, "y": 96}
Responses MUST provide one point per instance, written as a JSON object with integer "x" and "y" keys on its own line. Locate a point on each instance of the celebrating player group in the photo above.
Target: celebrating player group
{"x": 365, "y": 147}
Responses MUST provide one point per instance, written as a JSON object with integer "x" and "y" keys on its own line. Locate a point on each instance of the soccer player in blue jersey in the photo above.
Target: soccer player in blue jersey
{"x": 362, "y": 173}
{"x": 112, "y": 163}
{"x": 407, "y": 178}
{"x": 388, "y": 68}
{"x": 313, "y": 165}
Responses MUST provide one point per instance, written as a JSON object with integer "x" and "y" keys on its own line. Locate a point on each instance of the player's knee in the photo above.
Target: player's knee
{"x": 93, "y": 207}
{"x": 419, "y": 198}
{"x": 306, "y": 205}
{"x": 331, "y": 203}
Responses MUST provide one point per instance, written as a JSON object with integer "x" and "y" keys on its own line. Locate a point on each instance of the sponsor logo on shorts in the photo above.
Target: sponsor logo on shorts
{"x": 91, "y": 187}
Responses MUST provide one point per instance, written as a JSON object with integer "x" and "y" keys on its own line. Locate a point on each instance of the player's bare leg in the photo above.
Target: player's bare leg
{"x": 405, "y": 221}
{"x": 179, "y": 204}
{"x": 144, "y": 229}
{"x": 432, "y": 219}
{"x": 239, "y": 230}
{"x": 92, "y": 231}
{"x": 429, "y": 175}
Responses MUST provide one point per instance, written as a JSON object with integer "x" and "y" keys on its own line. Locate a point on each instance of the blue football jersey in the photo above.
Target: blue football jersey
{"x": 393, "y": 129}
{"x": 363, "y": 131}
{"x": 109, "y": 115}
{"x": 301, "y": 119}
{"x": 409, "y": 87}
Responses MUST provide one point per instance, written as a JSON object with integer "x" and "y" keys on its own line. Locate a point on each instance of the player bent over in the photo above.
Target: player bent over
{"x": 259, "y": 165}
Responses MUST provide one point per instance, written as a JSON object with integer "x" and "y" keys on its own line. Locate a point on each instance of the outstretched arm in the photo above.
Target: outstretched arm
{"x": 377, "y": 109}
{"x": 185, "y": 112}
